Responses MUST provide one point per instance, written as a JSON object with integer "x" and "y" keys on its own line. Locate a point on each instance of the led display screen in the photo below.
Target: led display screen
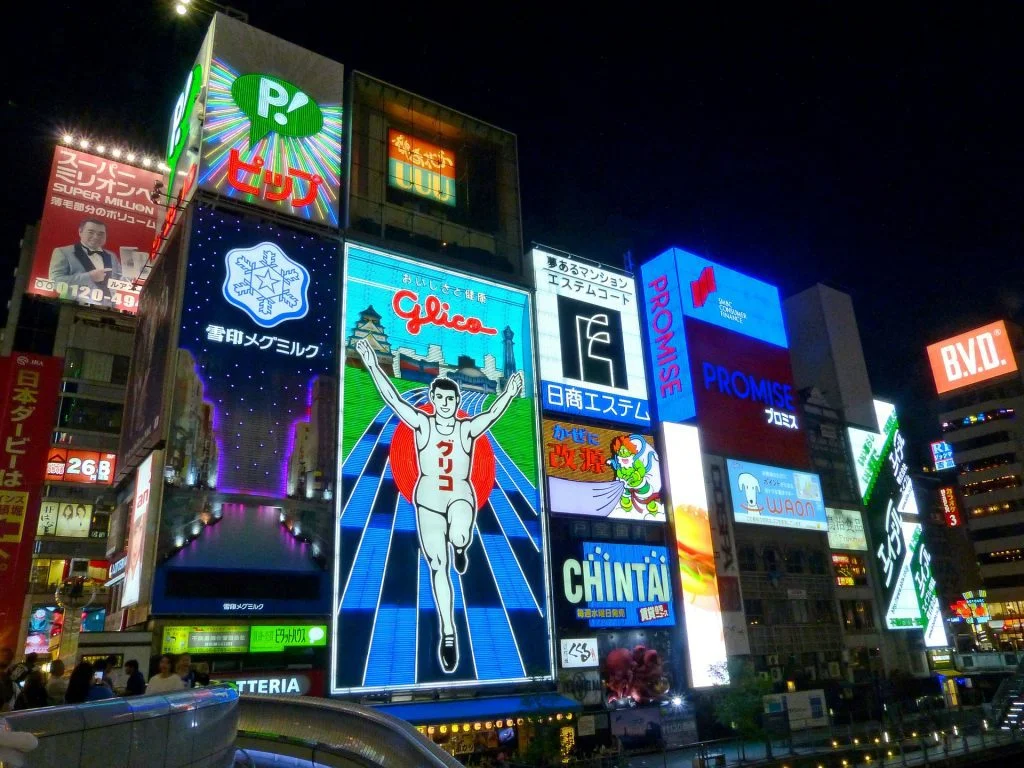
{"x": 664, "y": 327}
{"x": 764, "y": 495}
{"x": 744, "y": 390}
{"x": 846, "y": 529}
{"x": 942, "y": 454}
{"x": 602, "y": 585}
{"x": 421, "y": 168}
{"x": 44, "y": 622}
{"x": 205, "y": 640}
{"x": 246, "y": 524}
{"x": 601, "y": 472}
{"x": 720, "y": 296}
{"x": 97, "y": 227}
{"x": 440, "y": 576}
{"x": 907, "y": 583}
{"x": 589, "y": 342}
{"x": 702, "y": 611}
{"x": 87, "y": 467}
{"x": 275, "y": 637}
{"x": 272, "y": 131}
{"x": 138, "y": 526}
{"x": 972, "y": 357}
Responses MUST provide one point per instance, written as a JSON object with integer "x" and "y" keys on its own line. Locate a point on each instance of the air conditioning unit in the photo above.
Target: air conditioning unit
{"x": 772, "y": 659}
{"x": 776, "y": 674}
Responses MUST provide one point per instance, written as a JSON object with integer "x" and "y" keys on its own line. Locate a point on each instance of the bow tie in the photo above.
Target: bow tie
{"x": 94, "y": 253}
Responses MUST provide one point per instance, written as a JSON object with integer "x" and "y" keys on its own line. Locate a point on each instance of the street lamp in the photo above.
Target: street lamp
{"x": 208, "y": 8}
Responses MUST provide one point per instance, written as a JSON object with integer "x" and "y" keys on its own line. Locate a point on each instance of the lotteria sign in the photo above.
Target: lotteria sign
{"x": 765, "y": 495}
{"x": 617, "y": 585}
{"x": 284, "y": 684}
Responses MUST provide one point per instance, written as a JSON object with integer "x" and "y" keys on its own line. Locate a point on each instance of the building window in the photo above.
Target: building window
{"x": 798, "y": 609}
{"x": 47, "y": 573}
{"x": 90, "y": 415}
{"x": 995, "y": 484}
{"x": 824, "y": 612}
{"x": 747, "y": 558}
{"x": 771, "y": 559}
{"x": 89, "y": 365}
{"x": 857, "y": 615}
{"x": 981, "y": 442}
{"x": 978, "y": 418}
{"x": 851, "y": 570}
{"x": 1001, "y": 556}
{"x": 816, "y": 563}
{"x": 989, "y": 462}
{"x": 794, "y": 561}
{"x": 755, "y": 612}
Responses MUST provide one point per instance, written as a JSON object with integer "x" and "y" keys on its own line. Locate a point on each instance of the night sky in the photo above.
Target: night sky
{"x": 879, "y": 152}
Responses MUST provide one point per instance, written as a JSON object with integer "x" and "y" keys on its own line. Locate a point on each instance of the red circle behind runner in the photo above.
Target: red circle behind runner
{"x": 406, "y": 469}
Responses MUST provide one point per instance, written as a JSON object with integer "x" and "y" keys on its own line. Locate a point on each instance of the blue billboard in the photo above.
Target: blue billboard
{"x": 668, "y": 359}
{"x": 441, "y": 578}
{"x": 785, "y": 498}
{"x": 613, "y": 585}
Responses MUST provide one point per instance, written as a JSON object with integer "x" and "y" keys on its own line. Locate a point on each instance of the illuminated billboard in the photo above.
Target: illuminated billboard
{"x": 785, "y": 498}
{"x": 65, "y": 518}
{"x": 601, "y": 472}
{"x": 274, "y": 638}
{"x": 942, "y": 454}
{"x": 730, "y": 591}
{"x": 664, "y": 324}
{"x": 272, "y": 130}
{"x": 702, "y": 611}
{"x": 589, "y": 343}
{"x": 28, "y": 403}
{"x": 86, "y": 467}
{"x": 718, "y": 295}
{"x": 138, "y": 532}
{"x": 601, "y": 585}
{"x": 972, "y": 357}
{"x": 846, "y": 529}
{"x": 421, "y": 168}
{"x": 210, "y": 639}
{"x": 440, "y": 576}
{"x": 883, "y": 477}
{"x": 246, "y": 526}
{"x": 950, "y": 507}
{"x": 97, "y": 226}
{"x": 744, "y": 393}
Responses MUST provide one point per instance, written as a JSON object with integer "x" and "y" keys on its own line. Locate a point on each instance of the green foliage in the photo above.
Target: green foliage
{"x": 516, "y": 430}
{"x": 739, "y": 706}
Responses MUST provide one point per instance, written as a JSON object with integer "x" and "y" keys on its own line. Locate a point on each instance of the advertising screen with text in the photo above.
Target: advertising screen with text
{"x": 764, "y": 495}
{"x": 441, "y": 577}
{"x": 97, "y": 227}
{"x": 972, "y": 357}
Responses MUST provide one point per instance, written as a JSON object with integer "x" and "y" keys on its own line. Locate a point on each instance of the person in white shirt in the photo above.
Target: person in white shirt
{"x": 165, "y": 680}
{"x": 86, "y": 265}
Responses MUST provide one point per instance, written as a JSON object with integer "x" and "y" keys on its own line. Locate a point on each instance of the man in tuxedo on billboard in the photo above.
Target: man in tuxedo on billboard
{"x": 86, "y": 263}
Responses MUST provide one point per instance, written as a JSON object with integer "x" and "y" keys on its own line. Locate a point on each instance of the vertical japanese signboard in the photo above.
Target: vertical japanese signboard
{"x": 720, "y": 515}
{"x": 702, "y": 611}
{"x": 909, "y": 588}
{"x": 591, "y": 364}
{"x": 272, "y": 132}
{"x": 29, "y": 386}
{"x": 94, "y": 238}
{"x": 138, "y": 531}
{"x": 441, "y": 577}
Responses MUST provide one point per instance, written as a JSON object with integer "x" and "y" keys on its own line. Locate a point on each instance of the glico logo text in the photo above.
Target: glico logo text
{"x": 746, "y": 386}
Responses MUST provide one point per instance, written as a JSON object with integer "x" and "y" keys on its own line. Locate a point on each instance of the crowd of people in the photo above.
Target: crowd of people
{"x": 24, "y": 685}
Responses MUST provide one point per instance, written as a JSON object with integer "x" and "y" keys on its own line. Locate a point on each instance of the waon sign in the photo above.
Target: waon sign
{"x": 28, "y": 385}
{"x": 87, "y": 467}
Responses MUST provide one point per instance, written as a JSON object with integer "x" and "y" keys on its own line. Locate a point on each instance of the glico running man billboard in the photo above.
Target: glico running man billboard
{"x": 440, "y": 576}
{"x": 601, "y": 472}
{"x": 908, "y": 585}
{"x": 246, "y": 526}
{"x": 589, "y": 342}
{"x": 94, "y": 239}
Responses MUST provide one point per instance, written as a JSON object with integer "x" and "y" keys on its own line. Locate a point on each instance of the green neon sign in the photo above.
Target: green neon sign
{"x": 270, "y": 638}
{"x": 273, "y": 104}
{"x": 177, "y": 134}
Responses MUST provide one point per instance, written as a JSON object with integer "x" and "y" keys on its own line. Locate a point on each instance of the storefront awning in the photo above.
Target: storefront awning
{"x": 431, "y": 712}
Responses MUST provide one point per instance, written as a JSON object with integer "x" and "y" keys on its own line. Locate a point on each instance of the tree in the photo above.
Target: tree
{"x": 739, "y": 706}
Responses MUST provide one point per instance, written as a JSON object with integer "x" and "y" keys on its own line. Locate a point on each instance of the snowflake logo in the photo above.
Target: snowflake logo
{"x": 266, "y": 284}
